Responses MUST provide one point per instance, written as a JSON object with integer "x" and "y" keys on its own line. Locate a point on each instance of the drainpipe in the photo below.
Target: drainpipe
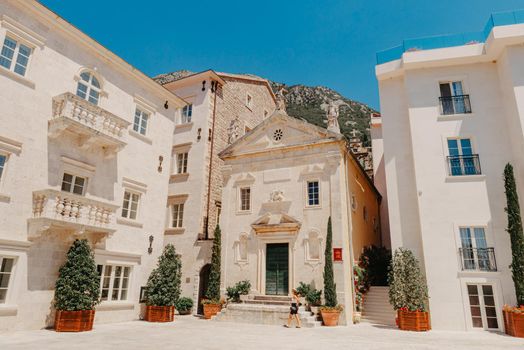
{"x": 214, "y": 87}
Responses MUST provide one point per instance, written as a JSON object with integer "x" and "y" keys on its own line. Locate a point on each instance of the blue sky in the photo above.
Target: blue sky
{"x": 312, "y": 42}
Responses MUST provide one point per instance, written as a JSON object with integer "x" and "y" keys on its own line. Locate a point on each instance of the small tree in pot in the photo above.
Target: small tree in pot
{"x": 514, "y": 316}
{"x": 77, "y": 290}
{"x": 163, "y": 287}
{"x": 408, "y": 292}
{"x": 331, "y": 310}
{"x": 184, "y": 305}
{"x": 213, "y": 303}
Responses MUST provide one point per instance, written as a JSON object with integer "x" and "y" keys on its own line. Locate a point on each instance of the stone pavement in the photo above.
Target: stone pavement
{"x": 189, "y": 332}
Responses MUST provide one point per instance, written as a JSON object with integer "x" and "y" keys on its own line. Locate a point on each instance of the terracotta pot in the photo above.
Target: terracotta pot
{"x": 74, "y": 321}
{"x": 330, "y": 318}
{"x": 211, "y": 310}
{"x": 160, "y": 313}
{"x": 357, "y": 317}
{"x": 417, "y": 321}
{"x": 514, "y": 323}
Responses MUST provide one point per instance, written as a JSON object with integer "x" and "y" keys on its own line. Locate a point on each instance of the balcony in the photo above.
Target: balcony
{"x": 94, "y": 126}
{"x": 464, "y": 165}
{"x": 70, "y": 212}
{"x": 478, "y": 259}
{"x": 451, "y": 105}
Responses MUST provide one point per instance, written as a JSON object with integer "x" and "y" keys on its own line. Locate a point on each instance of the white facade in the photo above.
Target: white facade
{"x": 444, "y": 167}
{"x": 76, "y": 166}
{"x": 282, "y": 182}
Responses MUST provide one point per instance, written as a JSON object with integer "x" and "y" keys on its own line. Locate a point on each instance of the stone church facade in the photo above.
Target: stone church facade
{"x": 282, "y": 182}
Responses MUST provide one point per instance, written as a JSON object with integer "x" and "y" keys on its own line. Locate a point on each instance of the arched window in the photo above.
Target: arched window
{"x": 88, "y": 87}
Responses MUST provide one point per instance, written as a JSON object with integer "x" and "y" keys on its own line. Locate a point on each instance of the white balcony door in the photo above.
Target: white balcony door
{"x": 483, "y": 309}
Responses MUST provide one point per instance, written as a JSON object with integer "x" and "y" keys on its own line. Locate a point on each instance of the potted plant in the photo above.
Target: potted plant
{"x": 77, "y": 290}
{"x": 311, "y": 295}
{"x": 213, "y": 303}
{"x": 163, "y": 287}
{"x": 514, "y": 316}
{"x": 331, "y": 310}
{"x": 408, "y": 292}
{"x": 240, "y": 288}
{"x": 184, "y": 305}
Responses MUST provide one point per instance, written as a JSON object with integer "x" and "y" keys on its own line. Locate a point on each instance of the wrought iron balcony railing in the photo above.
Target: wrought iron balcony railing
{"x": 464, "y": 165}
{"x": 450, "y": 105}
{"x": 478, "y": 259}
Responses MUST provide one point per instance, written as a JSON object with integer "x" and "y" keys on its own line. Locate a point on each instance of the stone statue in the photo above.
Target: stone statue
{"x": 332, "y": 118}
{"x": 276, "y": 196}
{"x": 281, "y": 100}
{"x": 233, "y": 130}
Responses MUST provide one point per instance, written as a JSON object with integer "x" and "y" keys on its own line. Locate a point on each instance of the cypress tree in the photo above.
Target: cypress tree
{"x": 163, "y": 285}
{"x": 213, "y": 289}
{"x": 407, "y": 285}
{"x": 515, "y": 232}
{"x": 330, "y": 288}
{"x": 78, "y": 284}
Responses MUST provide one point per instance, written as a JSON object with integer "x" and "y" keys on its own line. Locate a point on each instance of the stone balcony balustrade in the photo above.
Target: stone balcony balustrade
{"x": 93, "y": 125}
{"x": 53, "y": 209}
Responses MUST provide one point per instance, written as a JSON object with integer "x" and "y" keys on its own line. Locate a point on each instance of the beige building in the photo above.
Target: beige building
{"x": 85, "y": 147}
{"x": 221, "y": 108}
{"x": 452, "y": 118}
{"x": 282, "y": 182}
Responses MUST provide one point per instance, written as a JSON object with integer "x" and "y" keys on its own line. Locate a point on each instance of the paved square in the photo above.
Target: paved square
{"x": 192, "y": 333}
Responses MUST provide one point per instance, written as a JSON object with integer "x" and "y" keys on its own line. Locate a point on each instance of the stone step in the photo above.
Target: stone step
{"x": 272, "y": 298}
{"x": 267, "y": 302}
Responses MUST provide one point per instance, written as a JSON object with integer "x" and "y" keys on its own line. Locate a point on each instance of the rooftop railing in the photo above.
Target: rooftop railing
{"x": 440, "y": 41}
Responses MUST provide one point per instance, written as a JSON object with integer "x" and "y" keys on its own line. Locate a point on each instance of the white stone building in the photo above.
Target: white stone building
{"x": 221, "y": 108}
{"x": 452, "y": 117}
{"x": 85, "y": 146}
{"x": 282, "y": 182}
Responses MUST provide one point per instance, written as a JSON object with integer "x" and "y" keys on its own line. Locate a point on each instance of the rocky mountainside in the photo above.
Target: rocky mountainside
{"x": 310, "y": 103}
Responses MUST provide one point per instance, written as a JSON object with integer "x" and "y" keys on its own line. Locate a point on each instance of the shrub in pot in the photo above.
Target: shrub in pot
{"x": 213, "y": 303}
{"x": 361, "y": 287}
{"x": 330, "y": 311}
{"x": 163, "y": 287}
{"x": 240, "y": 288}
{"x": 408, "y": 292}
{"x": 514, "y": 316}
{"x": 184, "y": 305}
{"x": 77, "y": 290}
{"x": 311, "y": 295}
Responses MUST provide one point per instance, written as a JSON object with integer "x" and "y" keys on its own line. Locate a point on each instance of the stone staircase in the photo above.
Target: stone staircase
{"x": 264, "y": 309}
{"x": 377, "y": 308}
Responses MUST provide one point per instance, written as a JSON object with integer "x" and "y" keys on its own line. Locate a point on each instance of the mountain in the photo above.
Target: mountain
{"x": 311, "y": 102}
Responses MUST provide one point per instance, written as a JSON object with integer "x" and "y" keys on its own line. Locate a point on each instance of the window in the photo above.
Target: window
{"x": 178, "y": 215}
{"x": 88, "y": 88}
{"x": 187, "y": 113}
{"x": 313, "y": 190}
{"x": 245, "y": 198}
{"x": 452, "y": 98}
{"x": 482, "y": 306}
{"x": 3, "y": 160}
{"x": 277, "y": 135}
{"x": 6, "y": 270}
{"x": 73, "y": 184}
{"x": 461, "y": 159}
{"x": 14, "y": 52}
{"x": 249, "y": 101}
{"x": 114, "y": 282}
{"x": 140, "y": 123}
{"x": 475, "y": 253}
{"x": 130, "y": 205}
{"x": 181, "y": 163}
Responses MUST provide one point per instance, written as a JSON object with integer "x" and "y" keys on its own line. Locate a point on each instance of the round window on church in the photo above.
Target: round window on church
{"x": 278, "y": 134}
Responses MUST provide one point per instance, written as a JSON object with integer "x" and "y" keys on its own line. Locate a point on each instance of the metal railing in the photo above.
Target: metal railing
{"x": 464, "y": 165}
{"x": 450, "y": 105}
{"x": 478, "y": 259}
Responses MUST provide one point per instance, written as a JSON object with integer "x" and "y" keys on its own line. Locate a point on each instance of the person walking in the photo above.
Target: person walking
{"x": 293, "y": 310}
